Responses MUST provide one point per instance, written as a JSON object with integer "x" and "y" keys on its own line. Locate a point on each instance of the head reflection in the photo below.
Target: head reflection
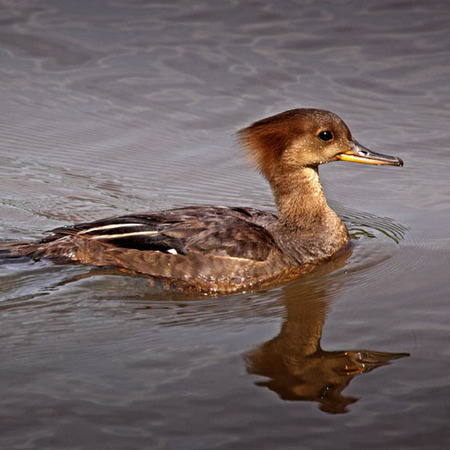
{"x": 295, "y": 365}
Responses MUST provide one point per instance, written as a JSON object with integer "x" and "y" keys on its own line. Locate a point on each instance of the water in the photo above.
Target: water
{"x": 112, "y": 106}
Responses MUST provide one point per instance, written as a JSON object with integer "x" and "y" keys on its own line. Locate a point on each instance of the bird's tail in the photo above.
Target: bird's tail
{"x": 13, "y": 250}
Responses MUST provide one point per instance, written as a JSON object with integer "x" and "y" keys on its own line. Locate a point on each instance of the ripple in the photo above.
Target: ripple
{"x": 369, "y": 225}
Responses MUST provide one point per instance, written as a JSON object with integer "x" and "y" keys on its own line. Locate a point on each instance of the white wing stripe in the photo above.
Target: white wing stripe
{"x": 112, "y": 226}
{"x": 122, "y": 235}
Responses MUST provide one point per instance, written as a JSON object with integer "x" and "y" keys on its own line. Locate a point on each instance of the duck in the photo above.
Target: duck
{"x": 220, "y": 249}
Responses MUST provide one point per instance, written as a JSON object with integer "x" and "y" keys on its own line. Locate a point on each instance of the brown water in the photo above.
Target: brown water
{"x": 116, "y": 106}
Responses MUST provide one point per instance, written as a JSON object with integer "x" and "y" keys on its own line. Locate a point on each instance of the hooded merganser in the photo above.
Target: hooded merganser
{"x": 227, "y": 249}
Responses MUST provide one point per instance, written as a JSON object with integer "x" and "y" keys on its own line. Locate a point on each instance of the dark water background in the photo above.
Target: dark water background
{"x": 109, "y": 107}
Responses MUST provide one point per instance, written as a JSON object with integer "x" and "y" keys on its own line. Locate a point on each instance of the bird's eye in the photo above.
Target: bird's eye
{"x": 325, "y": 135}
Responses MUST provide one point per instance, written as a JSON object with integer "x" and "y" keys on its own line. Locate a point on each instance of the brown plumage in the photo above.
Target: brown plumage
{"x": 226, "y": 249}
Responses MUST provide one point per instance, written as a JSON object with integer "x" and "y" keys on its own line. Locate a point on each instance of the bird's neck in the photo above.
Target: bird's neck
{"x": 300, "y": 200}
{"x": 308, "y": 229}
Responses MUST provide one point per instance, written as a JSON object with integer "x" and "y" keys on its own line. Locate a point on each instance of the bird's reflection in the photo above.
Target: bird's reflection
{"x": 295, "y": 365}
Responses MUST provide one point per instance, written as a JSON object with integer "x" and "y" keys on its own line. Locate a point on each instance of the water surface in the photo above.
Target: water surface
{"x": 112, "y": 107}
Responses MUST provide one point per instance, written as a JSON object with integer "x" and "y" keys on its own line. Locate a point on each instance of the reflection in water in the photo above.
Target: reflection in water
{"x": 296, "y": 365}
